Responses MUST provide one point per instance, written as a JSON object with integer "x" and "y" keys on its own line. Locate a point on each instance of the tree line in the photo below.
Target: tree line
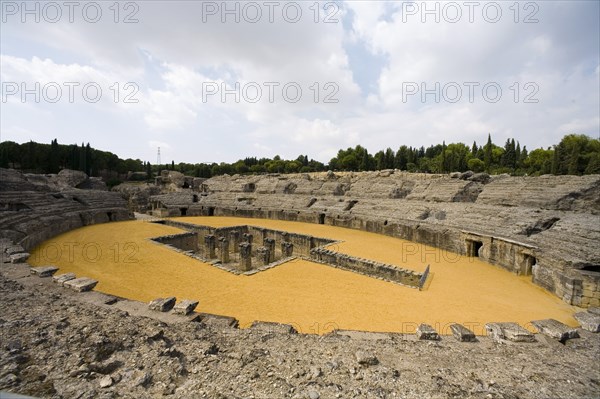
{"x": 574, "y": 155}
{"x": 32, "y": 157}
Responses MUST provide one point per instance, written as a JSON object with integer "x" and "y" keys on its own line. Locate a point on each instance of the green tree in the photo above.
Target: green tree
{"x": 593, "y": 166}
{"x": 487, "y": 154}
{"x": 53, "y": 157}
{"x": 539, "y": 161}
{"x": 89, "y": 156}
{"x": 401, "y": 159}
{"x": 509, "y": 156}
{"x": 82, "y": 158}
{"x": 476, "y": 165}
{"x": 555, "y": 170}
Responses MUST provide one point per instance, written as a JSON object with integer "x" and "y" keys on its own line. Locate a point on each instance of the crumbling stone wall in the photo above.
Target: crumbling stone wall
{"x": 35, "y": 208}
{"x": 184, "y": 241}
{"x": 367, "y": 267}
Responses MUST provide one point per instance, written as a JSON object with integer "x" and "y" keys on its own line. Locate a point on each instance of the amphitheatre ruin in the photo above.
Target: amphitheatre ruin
{"x": 336, "y": 284}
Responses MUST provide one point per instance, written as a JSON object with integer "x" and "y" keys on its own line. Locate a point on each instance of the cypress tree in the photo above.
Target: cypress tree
{"x": 487, "y": 154}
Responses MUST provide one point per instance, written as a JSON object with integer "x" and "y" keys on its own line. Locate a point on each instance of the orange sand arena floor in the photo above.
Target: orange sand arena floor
{"x": 315, "y": 298}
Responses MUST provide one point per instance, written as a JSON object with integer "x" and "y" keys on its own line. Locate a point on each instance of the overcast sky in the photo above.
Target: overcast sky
{"x": 215, "y": 81}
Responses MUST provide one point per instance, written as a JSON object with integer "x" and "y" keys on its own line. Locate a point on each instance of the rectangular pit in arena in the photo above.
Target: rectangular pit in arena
{"x": 249, "y": 250}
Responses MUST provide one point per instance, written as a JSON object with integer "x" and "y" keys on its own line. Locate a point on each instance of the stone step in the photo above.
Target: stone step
{"x": 44, "y": 271}
{"x": 589, "y": 321}
{"x": 162, "y": 304}
{"x": 555, "y": 329}
{"x": 426, "y": 332}
{"x": 63, "y": 278}
{"x": 81, "y": 284}
{"x": 509, "y": 331}
{"x": 462, "y": 333}
{"x": 185, "y": 307}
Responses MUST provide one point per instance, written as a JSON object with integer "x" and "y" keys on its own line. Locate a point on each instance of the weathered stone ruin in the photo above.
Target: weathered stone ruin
{"x": 277, "y": 247}
{"x": 547, "y": 227}
{"x": 91, "y": 343}
{"x": 34, "y": 208}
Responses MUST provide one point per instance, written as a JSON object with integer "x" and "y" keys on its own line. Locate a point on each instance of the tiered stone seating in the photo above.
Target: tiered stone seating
{"x": 31, "y": 216}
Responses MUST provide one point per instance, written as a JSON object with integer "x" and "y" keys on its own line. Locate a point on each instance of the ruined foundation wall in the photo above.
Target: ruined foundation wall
{"x": 184, "y": 241}
{"x": 367, "y": 267}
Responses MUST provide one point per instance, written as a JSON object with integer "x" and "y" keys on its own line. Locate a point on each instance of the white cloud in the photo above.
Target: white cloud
{"x": 171, "y": 54}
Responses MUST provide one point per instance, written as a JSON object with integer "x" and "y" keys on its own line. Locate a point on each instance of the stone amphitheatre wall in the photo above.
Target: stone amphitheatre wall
{"x": 547, "y": 227}
{"x": 35, "y": 208}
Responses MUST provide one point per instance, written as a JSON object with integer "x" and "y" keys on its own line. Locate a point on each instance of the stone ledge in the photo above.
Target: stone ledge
{"x": 462, "y": 334}
{"x": 15, "y": 249}
{"x": 426, "y": 332}
{"x": 216, "y": 320}
{"x": 555, "y": 329}
{"x": 589, "y": 321}
{"x": 63, "y": 278}
{"x": 267, "y": 326}
{"x": 185, "y": 307}
{"x": 20, "y": 257}
{"x": 162, "y": 304}
{"x": 44, "y": 271}
{"x": 81, "y": 284}
{"x": 509, "y": 332}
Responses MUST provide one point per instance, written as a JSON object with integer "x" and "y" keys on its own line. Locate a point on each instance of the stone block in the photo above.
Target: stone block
{"x": 287, "y": 249}
{"x": 44, "y": 271}
{"x": 20, "y": 257}
{"x": 245, "y": 263}
{"x": 589, "y": 321}
{"x": 509, "y": 331}
{"x": 462, "y": 333}
{"x": 162, "y": 304}
{"x": 81, "y": 284}
{"x": 63, "y": 278}
{"x": 218, "y": 320}
{"x": 263, "y": 254}
{"x": 15, "y": 249}
{"x": 185, "y": 307}
{"x": 555, "y": 329}
{"x": 426, "y": 332}
{"x": 280, "y": 328}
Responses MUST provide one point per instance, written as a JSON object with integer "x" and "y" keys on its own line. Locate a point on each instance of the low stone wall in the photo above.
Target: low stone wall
{"x": 184, "y": 241}
{"x": 366, "y": 267}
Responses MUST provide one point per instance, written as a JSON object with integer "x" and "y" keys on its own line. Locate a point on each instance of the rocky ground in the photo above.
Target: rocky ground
{"x": 56, "y": 343}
